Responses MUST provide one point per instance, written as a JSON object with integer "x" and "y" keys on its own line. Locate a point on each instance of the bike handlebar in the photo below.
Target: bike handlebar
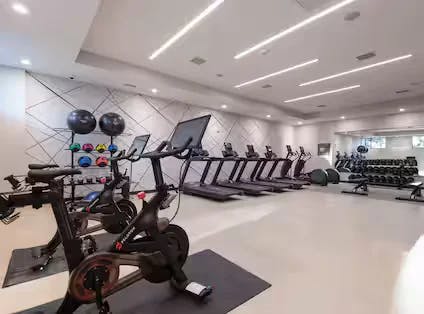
{"x": 158, "y": 152}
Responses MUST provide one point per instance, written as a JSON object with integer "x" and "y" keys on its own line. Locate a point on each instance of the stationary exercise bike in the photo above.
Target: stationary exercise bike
{"x": 24, "y": 193}
{"x": 159, "y": 249}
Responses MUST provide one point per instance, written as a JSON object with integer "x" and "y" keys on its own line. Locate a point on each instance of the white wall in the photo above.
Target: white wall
{"x": 310, "y": 135}
{"x": 12, "y": 123}
{"x": 30, "y": 114}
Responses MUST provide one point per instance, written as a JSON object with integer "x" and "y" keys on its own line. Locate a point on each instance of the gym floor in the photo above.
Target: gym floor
{"x": 322, "y": 252}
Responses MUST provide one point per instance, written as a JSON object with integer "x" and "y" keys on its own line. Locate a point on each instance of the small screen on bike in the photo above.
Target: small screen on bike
{"x": 194, "y": 128}
{"x": 139, "y": 143}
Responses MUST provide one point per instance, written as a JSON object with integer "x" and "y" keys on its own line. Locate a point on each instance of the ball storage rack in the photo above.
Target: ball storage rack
{"x": 74, "y": 164}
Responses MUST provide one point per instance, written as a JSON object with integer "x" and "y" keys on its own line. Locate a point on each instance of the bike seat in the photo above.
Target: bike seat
{"x": 45, "y": 176}
{"x": 42, "y": 166}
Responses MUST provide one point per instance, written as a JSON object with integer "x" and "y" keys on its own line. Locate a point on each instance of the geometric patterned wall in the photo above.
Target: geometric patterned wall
{"x": 45, "y": 112}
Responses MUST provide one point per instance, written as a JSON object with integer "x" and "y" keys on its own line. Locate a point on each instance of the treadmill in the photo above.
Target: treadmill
{"x": 271, "y": 156}
{"x": 251, "y": 155}
{"x": 198, "y": 154}
{"x": 230, "y": 155}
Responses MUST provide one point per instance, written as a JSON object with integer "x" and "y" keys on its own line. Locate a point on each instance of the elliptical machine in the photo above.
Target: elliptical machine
{"x": 159, "y": 251}
{"x": 316, "y": 176}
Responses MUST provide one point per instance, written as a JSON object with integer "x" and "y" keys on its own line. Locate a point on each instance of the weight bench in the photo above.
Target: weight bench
{"x": 416, "y": 195}
{"x": 361, "y": 187}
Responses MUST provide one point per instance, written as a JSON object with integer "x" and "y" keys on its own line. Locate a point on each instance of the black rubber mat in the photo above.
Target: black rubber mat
{"x": 22, "y": 261}
{"x": 232, "y": 285}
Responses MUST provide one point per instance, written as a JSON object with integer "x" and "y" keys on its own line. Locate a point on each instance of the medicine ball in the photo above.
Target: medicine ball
{"x": 91, "y": 196}
{"x": 101, "y": 148}
{"x": 81, "y": 121}
{"x": 75, "y": 147}
{"x": 112, "y": 124}
{"x": 88, "y": 147}
{"x": 101, "y": 161}
{"x": 84, "y": 161}
{"x": 112, "y": 148}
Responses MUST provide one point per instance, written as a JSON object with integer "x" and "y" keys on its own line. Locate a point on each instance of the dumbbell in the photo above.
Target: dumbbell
{"x": 89, "y": 180}
{"x": 377, "y": 179}
{"x": 390, "y": 179}
{"x": 383, "y": 162}
{"x": 383, "y": 179}
{"x": 415, "y": 170}
{"x": 80, "y": 180}
{"x": 371, "y": 178}
{"x": 396, "y": 180}
{"x": 410, "y": 179}
{"x": 403, "y": 181}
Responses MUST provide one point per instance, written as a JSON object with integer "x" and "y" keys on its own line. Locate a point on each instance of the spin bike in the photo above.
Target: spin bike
{"x": 112, "y": 215}
{"x": 24, "y": 193}
{"x": 159, "y": 252}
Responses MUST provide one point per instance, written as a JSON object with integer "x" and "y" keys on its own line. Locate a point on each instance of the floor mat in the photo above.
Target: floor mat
{"x": 232, "y": 285}
{"x": 22, "y": 261}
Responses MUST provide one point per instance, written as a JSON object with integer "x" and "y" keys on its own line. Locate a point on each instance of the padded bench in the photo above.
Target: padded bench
{"x": 361, "y": 187}
{"x": 416, "y": 195}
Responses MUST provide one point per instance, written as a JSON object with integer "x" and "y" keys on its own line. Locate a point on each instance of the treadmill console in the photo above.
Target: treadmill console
{"x": 228, "y": 151}
{"x": 251, "y": 152}
{"x": 269, "y": 153}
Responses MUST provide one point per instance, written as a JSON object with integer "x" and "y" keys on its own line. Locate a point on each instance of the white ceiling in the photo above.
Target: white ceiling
{"x": 117, "y": 37}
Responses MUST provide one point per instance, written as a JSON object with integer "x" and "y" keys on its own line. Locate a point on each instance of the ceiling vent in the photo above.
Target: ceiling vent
{"x": 220, "y": 75}
{"x": 366, "y": 56}
{"x": 312, "y": 5}
{"x": 267, "y": 86}
{"x": 402, "y": 91}
{"x": 130, "y": 85}
{"x": 322, "y": 106}
{"x": 198, "y": 60}
{"x": 351, "y": 16}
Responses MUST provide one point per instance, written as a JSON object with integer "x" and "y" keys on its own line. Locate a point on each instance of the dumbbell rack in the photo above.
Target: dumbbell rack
{"x": 397, "y": 173}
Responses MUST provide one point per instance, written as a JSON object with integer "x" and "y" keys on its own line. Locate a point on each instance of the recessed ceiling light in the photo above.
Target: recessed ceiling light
{"x": 277, "y": 73}
{"x": 224, "y": 106}
{"x": 220, "y": 75}
{"x": 154, "y": 90}
{"x": 342, "y": 117}
{"x": 357, "y": 70}
{"x": 187, "y": 28}
{"x": 294, "y": 28}
{"x": 402, "y": 109}
{"x": 299, "y": 122}
{"x": 324, "y": 93}
{"x": 20, "y": 8}
{"x": 268, "y": 116}
{"x": 25, "y": 61}
{"x": 322, "y": 106}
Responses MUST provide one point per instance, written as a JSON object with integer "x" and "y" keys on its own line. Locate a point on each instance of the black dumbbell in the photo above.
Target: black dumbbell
{"x": 410, "y": 179}
{"x": 390, "y": 179}
{"x": 382, "y": 179}
{"x": 403, "y": 181}
{"x": 89, "y": 180}
{"x": 80, "y": 181}
{"x": 377, "y": 179}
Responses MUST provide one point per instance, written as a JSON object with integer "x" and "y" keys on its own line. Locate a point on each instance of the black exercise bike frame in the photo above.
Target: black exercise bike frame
{"x": 145, "y": 221}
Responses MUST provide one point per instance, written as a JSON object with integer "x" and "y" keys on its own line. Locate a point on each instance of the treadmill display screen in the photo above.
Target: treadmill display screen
{"x": 194, "y": 128}
{"x": 139, "y": 143}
